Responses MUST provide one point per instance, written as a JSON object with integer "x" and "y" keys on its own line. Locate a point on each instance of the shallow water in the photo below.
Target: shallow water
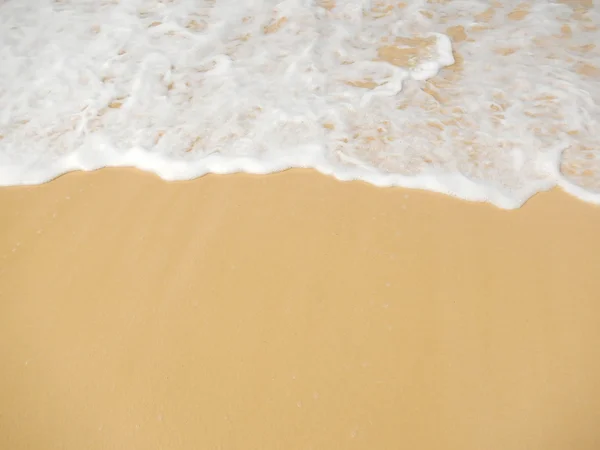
{"x": 487, "y": 103}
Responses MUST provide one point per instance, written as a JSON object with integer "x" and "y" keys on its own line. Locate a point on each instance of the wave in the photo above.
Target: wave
{"x": 484, "y": 101}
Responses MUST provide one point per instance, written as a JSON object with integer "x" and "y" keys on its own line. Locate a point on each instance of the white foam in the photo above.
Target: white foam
{"x": 183, "y": 88}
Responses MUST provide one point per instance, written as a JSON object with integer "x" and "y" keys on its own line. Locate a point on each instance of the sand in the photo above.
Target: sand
{"x": 293, "y": 311}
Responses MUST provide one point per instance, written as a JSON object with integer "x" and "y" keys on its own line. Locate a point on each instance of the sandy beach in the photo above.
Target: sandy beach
{"x": 293, "y": 311}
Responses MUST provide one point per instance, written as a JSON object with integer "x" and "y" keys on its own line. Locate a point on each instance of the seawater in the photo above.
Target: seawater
{"x": 485, "y": 100}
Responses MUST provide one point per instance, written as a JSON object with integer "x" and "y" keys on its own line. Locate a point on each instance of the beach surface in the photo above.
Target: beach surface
{"x": 294, "y": 311}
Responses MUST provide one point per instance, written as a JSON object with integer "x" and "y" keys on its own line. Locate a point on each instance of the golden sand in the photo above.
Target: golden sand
{"x": 293, "y": 311}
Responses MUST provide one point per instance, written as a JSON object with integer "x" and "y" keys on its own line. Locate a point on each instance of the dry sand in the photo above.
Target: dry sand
{"x": 292, "y": 311}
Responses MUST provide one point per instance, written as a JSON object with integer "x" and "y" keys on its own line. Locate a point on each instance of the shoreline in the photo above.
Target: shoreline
{"x": 294, "y": 310}
{"x": 454, "y": 185}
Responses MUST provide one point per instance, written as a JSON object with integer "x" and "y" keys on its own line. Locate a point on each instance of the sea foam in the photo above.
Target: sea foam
{"x": 487, "y": 101}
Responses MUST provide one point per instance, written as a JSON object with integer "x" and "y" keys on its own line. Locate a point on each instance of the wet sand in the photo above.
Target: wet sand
{"x": 293, "y": 311}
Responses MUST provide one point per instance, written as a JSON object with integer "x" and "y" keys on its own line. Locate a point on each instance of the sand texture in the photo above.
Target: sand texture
{"x": 293, "y": 311}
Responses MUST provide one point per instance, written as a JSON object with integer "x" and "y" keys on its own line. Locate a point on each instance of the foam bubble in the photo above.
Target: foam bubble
{"x": 487, "y": 103}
